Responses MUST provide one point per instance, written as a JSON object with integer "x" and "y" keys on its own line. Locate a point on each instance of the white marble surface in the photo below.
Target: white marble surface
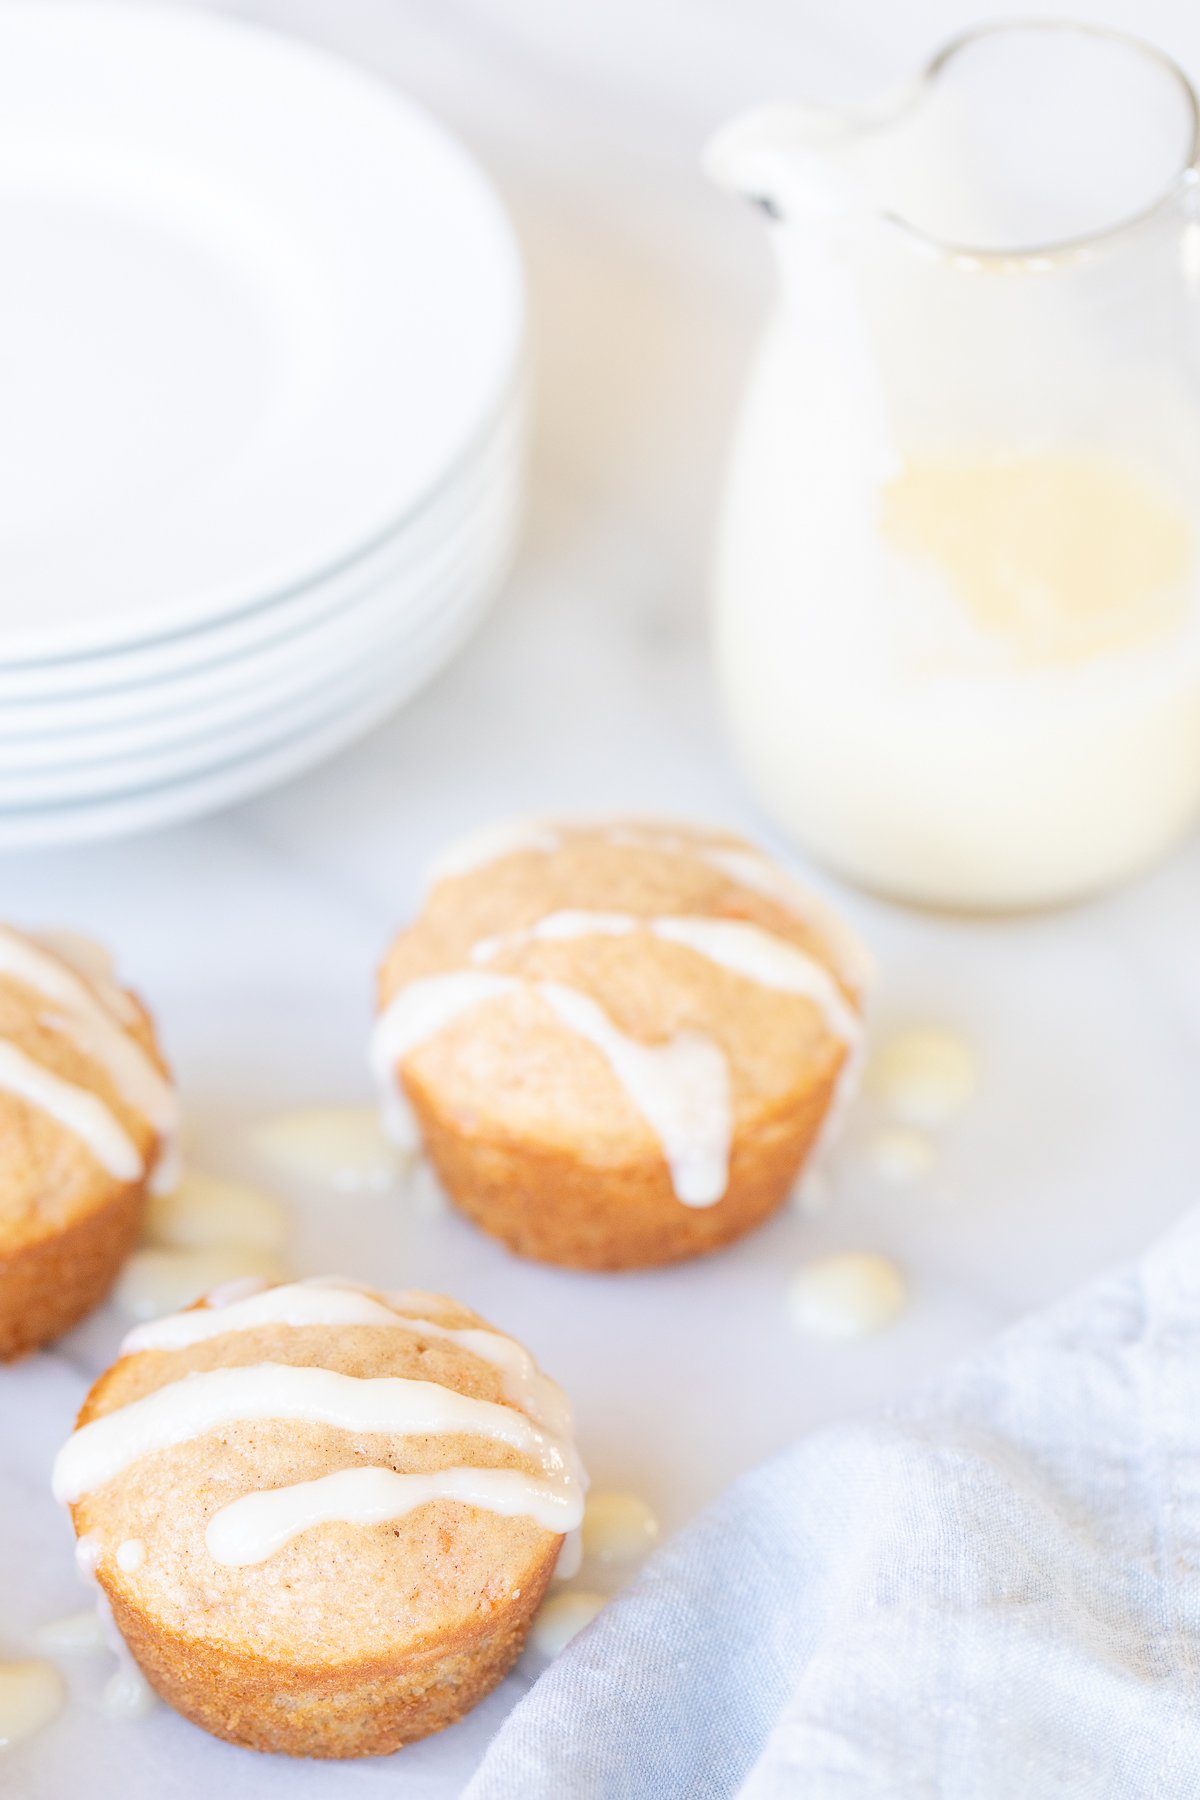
{"x": 255, "y": 934}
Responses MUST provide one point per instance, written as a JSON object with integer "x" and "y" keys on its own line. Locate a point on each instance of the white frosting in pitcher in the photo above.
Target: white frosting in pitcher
{"x": 332, "y": 1303}
{"x": 89, "y": 1009}
{"x": 77, "y": 1109}
{"x": 253, "y": 1528}
{"x": 209, "y": 1399}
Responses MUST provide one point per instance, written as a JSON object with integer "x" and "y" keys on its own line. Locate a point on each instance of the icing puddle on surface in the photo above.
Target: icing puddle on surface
{"x": 204, "y": 1211}
{"x": 211, "y": 1230}
{"x": 154, "y": 1282}
{"x": 31, "y": 1694}
{"x": 618, "y": 1528}
{"x": 923, "y": 1076}
{"x": 851, "y": 1295}
{"x": 341, "y": 1147}
{"x": 562, "y": 1618}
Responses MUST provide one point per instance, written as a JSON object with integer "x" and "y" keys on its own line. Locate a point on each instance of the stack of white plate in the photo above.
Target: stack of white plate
{"x": 261, "y": 330}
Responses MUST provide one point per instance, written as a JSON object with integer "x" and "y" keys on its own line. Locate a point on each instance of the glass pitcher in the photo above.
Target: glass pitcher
{"x": 957, "y": 593}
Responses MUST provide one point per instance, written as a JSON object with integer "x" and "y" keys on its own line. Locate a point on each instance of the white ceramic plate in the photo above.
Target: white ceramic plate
{"x": 255, "y": 306}
{"x": 330, "y": 624}
{"x": 170, "y": 803}
{"x": 135, "y": 666}
{"x": 385, "y": 640}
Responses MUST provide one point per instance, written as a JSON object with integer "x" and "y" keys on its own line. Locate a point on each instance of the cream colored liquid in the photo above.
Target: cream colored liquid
{"x": 1060, "y": 557}
{"x": 970, "y": 679}
{"x": 31, "y": 1693}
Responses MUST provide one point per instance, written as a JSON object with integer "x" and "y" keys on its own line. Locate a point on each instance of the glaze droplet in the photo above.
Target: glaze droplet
{"x": 618, "y": 1528}
{"x": 847, "y": 1296}
{"x": 900, "y": 1153}
{"x": 206, "y": 1211}
{"x": 340, "y": 1147}
{"x": 155, "y": 1282}
{"x": 562, "y": 1618}
{"x": 924, "y": 1076}
{"x": 31, "y": 1694}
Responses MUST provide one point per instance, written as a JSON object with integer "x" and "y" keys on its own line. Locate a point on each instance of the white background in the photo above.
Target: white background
{"x": 255, "y": 935}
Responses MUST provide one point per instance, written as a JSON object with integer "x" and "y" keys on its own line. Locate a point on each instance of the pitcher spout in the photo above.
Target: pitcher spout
{"x": 780, "y": 157}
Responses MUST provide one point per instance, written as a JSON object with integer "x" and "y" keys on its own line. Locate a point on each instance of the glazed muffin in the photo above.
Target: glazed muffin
{"x": 618, "y": 1043}
{"x": 87, "y": 1116}
{"x": 323, "y": 1517}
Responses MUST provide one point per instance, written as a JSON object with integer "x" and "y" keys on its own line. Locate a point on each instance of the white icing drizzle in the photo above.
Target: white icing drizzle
{"x": 95, "y": 964}
{"x": 749, "y": 868}
{"x": 83, "y": 1018}
{"x": 301, "y": 1304}
{"x": 94, "y": 1014}
{"x": 735, "y": 944}
{"x": 559, "y": 927}
{"x": 742, "y": 863}
{"x": 167, "y": 1173}
{"x": 570, "y": 1555}
{"x": 416, "y": 1013}
{"x": 253, "y": 1528}
{"x": 509, "y": 837}
{"x": 77, "y": 1109}
{"x": 681, "y": 1088}
{"x": 127, "y": 1694}
{"x": 209, "y": 1399}
{"x": 536, "y": 1423}
{"x": 423, "y": 1008}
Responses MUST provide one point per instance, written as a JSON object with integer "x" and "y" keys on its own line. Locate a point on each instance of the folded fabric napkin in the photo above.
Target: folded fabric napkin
{"x": 992, "y": 1593}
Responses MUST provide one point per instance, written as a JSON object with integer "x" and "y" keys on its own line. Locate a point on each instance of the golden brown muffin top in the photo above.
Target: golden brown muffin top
{"x": 672, "y": 932}
{"x": 57, "y": 1006}
{"x": 338, "y": 1591}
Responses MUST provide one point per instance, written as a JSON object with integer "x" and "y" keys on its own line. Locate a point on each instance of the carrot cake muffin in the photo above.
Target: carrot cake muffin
{"x": 87, "y": 1117}
{"x": 618, "y": 1042}
{"x": 323, "y": 1517}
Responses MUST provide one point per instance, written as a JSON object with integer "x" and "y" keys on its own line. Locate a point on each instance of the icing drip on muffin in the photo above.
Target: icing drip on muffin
{"x": 84, "y": 1006}
{"x": 320, "y": 1301}
{"x": 681, "y": 1085}
{"x": 740, "y": 861}
{"x": 533, "y": 1420}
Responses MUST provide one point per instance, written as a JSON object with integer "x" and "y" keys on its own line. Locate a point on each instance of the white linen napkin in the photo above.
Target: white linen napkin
{"x": 991, "y": 1593}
